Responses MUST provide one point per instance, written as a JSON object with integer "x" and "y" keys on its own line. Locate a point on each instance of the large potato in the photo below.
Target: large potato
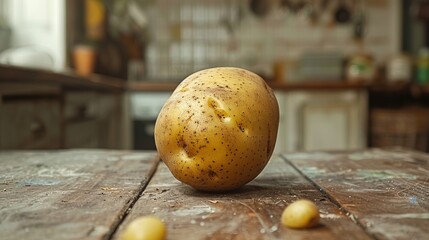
{"x": 218, "y": 129}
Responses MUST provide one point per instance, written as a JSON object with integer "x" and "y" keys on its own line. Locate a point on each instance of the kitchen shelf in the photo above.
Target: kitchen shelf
{"x": 318, "y": 85}
{"x": 68, "y": 110}
{"x": 308, "y": 85}
{"x": 152, "y": 86}
{"x": 69, "y": 80}
{"x": 390, "y": 87}
{"x": 400, "y": 87}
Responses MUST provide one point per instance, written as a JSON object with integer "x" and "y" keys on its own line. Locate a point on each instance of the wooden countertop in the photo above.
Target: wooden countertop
{"x": 25, "y": 76}
{"x": 70, "y": 80}
{"x": 93, "y": 194}
{"x": 375, "y": 87}
{"x": 308, "y": 85}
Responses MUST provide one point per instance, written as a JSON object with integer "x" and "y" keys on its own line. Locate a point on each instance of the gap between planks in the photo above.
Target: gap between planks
{"x": 331, "y": 198}
{"x": 130, "y": 204}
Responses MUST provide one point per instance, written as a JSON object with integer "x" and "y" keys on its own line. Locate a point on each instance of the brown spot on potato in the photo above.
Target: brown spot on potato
{"x": 241, "y": 127}
{"x": 188, "y": 150}
{"x": 219, "y": 111}
{"x": 212, "y": 174}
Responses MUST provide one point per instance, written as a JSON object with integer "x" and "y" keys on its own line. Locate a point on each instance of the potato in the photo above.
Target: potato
{"x": 144, "y": 228}
{"x": 301, "y": 214}
{"x": 218, "y": 129}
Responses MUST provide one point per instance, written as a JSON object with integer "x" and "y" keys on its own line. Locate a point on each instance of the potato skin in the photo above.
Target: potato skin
{"x": 144, "y": 228}
{"x": 218, "y": 129}
{"x": 302, "y": 213}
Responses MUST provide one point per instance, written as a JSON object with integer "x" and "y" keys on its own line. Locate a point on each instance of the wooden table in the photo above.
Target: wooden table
{"x": 93, "y": 194}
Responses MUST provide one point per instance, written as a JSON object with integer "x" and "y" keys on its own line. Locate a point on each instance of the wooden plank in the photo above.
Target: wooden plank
{"x": 76, "y": 194}
{"x": 68, "y": 80}
{"x": 387, "y": 192}
{"x": 252, "y": 212}
{"x": 22, "y": 89}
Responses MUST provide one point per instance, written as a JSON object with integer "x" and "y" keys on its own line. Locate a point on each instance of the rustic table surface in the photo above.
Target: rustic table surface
{"x": 94, "y": 194}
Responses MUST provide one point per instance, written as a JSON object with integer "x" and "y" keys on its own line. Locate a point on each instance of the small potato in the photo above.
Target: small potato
{"x": 301, "y": 214}
{"x": 144, "y": 228}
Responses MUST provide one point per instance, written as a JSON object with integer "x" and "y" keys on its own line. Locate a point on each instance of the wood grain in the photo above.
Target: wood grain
{"x": 94, "y": 194}
{"x": 252, "y": 212}
{"x": 386, "y": 192}
{"x": 77, "y": 194}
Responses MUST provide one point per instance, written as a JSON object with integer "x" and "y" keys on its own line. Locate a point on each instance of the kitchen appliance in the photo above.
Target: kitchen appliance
{"x": 145, "y": 107}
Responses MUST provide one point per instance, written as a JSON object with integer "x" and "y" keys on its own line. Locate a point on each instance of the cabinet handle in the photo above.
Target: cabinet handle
{"x": 37, "y": 128}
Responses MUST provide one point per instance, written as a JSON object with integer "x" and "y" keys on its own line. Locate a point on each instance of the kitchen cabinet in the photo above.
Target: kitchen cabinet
{"x": 30, "y": 124}
{"x": 309, "y": 119}
{"x": 313, "y": 116}
{"x": 92, "y": 120}
{"x": 48, "y": 110}
{"x": 70, "y": 120}
{"x": 322, "y": 120}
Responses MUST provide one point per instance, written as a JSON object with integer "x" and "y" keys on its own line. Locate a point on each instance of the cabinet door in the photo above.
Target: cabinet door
{"x": 30, "y": 124}
{"x": 111, "y": 121}
{"x": 328, "y": 120}
{"x": 93, "y": 120}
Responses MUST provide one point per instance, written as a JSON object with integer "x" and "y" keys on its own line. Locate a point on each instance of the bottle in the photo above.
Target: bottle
{"x": 423, "y": 67}
{"x": 399, "y": 68}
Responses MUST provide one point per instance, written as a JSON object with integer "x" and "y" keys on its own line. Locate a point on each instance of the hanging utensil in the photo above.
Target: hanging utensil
{"x": 359, "y": 25}
{"x": 260, "y": 8}
{"x": 313, "y": 12}
{"x": 324, "y": 4}
{"x": 232, "y": 19}
{"x": 342, "y": 14}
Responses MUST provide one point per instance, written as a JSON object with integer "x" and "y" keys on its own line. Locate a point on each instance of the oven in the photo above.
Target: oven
{"x": 145, "y": 107}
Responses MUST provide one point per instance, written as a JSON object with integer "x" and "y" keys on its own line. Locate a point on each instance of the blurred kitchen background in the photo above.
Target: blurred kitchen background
{"x": 348, "y": 74}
